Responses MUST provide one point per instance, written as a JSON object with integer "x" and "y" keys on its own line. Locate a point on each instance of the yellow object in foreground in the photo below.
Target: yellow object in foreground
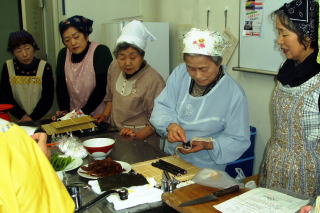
{"x": 28, "y": 182}
{"x": 317, "y": 205}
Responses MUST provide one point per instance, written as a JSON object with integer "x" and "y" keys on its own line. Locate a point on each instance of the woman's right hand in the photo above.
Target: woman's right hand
{"x": 59, "y": 114}
{"x": 176, "y": 133}
{"x": 100, "y": 118}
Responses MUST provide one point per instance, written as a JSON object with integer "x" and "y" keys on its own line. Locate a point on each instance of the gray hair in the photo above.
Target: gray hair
{"x": 124, "y": 45}
{"x": 215, "y": 59}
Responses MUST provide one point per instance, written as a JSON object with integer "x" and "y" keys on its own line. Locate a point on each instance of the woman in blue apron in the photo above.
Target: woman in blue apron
{"x": 203, "y": 104}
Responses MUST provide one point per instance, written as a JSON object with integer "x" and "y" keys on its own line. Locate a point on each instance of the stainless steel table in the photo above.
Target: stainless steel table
{"x": 127, "y": 150}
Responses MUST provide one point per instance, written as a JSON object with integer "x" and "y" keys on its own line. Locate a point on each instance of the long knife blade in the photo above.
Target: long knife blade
{"x": 211, "y": 197}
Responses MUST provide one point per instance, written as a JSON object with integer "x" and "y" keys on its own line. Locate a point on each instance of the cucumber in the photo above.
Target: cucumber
{"x": 60, "y": 163}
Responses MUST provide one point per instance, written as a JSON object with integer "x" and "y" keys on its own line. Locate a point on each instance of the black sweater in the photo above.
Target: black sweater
{"x": 46, "y": 100}
{"x": 294, "y": 74}
{"x": 101, "y": 61}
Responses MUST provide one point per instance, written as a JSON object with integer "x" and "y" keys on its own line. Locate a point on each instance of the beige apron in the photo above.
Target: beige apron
{"x": 26, "y": 90}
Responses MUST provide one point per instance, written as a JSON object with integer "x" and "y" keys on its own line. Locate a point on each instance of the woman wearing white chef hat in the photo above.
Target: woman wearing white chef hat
{"x": 132, "y": 84}
{"x": 203, "y": 104}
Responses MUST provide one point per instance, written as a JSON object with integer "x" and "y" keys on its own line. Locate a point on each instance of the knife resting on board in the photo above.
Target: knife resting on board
{"x": 211, "y": 197}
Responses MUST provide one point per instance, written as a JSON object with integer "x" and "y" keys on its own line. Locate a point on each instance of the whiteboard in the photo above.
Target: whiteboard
{"x": 261, "y": 53}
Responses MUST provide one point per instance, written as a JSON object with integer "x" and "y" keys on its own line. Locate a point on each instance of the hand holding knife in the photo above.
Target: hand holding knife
{"x": 211, "y": 197}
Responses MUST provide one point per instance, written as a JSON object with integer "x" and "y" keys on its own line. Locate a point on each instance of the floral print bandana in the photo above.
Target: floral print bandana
{"x": 204, "y": 42}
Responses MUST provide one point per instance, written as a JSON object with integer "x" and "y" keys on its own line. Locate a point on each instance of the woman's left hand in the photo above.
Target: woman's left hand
{"x": 127, "y": 132}
{"x": 196, "y": 147}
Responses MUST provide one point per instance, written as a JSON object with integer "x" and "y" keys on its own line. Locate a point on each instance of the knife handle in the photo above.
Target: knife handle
{"x": 226, "y": 191}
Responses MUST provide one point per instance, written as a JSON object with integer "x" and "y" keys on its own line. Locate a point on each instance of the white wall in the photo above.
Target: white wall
{"x": 182, "y": 14}
{"x": 101, "y": 12}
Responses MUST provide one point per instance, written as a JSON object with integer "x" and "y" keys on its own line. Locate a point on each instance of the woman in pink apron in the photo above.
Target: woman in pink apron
{"x": 82, "y": 68}
{"x": 26, "y": 82}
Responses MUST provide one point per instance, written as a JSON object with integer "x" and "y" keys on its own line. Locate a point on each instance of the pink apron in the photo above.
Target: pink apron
{"x": 81, "y": 80}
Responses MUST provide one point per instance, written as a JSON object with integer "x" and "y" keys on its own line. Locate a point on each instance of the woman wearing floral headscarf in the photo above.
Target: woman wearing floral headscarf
{"x": 292, "y": 156}
{"x": 203, "y": 104}
{"x": 81, "y": 68}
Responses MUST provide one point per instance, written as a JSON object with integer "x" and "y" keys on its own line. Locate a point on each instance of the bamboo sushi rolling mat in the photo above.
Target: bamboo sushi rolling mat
{"x": 70, "y": 125}
{"x": 147, "y": 170}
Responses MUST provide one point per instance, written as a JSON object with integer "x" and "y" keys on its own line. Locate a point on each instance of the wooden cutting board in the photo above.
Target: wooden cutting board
{"x": 175, "y": 198}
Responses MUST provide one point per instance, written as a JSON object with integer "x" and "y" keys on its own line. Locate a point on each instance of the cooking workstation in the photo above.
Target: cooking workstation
{"x": 142, "y": 157}
{"x": 106, "y": 172}
{"x": 137, "y": 157}
{"x": 124, "y": 150}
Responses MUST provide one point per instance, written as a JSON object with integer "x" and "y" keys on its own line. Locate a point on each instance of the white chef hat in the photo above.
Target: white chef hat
{"x": 136, "y": 33}
{"x": 204, "y": 42}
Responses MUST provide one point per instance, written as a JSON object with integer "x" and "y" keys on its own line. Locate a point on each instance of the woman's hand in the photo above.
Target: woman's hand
{"x": 176, "y": 133}
{"x": 196, "y": 146}
{"x": 59, "y": 114}
{"x": 306, "y": 209}
{"x": 145, "y": 132}
{"x": 25, "y": 118}
{"x": 100, "y": 118}
{"x": 105, "y": 114}
{"x": 41, "y": 139}
{"x": 127, "y": 132}
{"x": 141, "y": 134}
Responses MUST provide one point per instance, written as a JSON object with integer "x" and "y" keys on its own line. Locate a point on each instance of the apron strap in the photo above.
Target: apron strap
{"x": 10, "y": 67}
{"x": 41, "y": 67}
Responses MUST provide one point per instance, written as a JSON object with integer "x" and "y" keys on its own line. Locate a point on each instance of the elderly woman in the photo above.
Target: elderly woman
{"x": 203, "y": 104}
{"x": 292, "y": 156}
{"x": 81, "y": 68}
{"x": 26, "y": 82}
{"x": 133, "y": 84}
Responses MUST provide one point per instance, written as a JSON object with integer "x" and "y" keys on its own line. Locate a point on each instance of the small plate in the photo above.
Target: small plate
{"x": 73, "y": 165}
{"x": 127, "y": 168}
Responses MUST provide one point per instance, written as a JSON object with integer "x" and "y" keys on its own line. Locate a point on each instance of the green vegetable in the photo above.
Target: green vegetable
{"x": 60, "y": 163}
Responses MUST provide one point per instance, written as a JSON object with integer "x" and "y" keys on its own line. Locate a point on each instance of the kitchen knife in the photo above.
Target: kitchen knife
{"x": 211, "y": 197}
